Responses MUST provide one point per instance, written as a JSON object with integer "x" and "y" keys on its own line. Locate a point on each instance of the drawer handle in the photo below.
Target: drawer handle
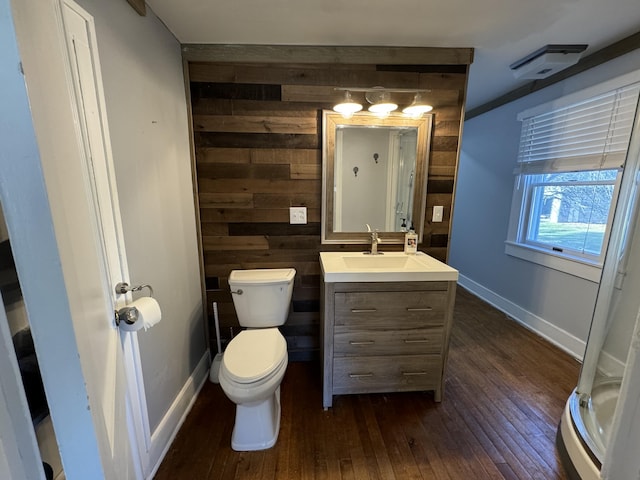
{"x": 413, "y": 374}
{"x": 360, "y": 375}
{"x": 417, "y": 340}
{"x": 423, "y": 309}
{"x": 363, "y": 310}
{"x": 362, "y": 342}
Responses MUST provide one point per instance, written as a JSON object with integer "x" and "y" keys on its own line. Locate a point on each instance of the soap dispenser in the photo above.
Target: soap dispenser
{"x": 411, "y": 241}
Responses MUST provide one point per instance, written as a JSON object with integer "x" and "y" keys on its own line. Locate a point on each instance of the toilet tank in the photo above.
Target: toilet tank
{"x": 265, "y": 298}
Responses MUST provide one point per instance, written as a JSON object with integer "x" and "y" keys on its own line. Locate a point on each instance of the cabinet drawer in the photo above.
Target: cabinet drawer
{"x": 374, "y": 309}
{"x": 386, "y": 374}
{"x": 351, "y": 342}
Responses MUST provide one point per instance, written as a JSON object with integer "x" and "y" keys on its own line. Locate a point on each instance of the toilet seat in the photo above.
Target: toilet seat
{"x": 253, "y": 356}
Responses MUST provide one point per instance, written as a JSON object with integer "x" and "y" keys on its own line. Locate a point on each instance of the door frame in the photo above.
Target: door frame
{"x": 18, "y": 442}
{"x": 24, "y": 196}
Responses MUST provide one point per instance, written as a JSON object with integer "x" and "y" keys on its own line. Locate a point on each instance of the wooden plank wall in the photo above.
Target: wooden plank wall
{"x": 258, "y": 139}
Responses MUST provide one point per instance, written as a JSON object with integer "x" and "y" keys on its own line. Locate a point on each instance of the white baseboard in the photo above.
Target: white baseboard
{"x": 558, "y": 337}
{"x": 168, "y": 428}
{"x": 610, "y": 366}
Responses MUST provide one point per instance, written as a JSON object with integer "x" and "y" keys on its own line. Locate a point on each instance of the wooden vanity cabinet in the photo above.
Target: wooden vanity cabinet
{"x": 385, "y": 337}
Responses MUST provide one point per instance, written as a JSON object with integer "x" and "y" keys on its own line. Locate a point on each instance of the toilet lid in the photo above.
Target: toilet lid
{"x": 265, "y": 276}
{"x": 252, "y": 354}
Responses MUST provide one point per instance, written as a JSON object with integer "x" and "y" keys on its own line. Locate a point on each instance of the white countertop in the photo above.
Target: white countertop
{"x": 388, "y": 267}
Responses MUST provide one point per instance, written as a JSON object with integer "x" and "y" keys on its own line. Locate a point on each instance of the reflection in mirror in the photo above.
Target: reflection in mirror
{"x": 381, "y": 195}
{"x": 374, "y": 172}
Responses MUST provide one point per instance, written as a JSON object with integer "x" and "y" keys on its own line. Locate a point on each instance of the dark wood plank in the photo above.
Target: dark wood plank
{"x": 254, "y": 124}
{"x": 355, "y": 76}
{"x": 259, "y": 185}
{"x": 139, "y": 6}
{"x": 257, "y": 140}
{"x": 270, "y": 229}
{"x": 227, "y": 106}
{"x": 244, "y": 171}
{"x": 446, "y": 144}
{"x": 286, "y": 54}
{"x": 497, "y": 421}
{"x": 233, "y": 215}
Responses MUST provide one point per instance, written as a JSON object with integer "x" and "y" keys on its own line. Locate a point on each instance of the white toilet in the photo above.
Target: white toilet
{"x": 254, "y": 362}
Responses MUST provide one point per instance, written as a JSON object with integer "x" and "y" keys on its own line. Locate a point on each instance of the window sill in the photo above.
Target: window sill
{"x": 575, "y": 267}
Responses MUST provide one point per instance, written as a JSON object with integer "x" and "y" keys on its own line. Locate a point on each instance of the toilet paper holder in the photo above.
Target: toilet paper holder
{"x": 127, "y": 314}
{"x": 123, "y": 287}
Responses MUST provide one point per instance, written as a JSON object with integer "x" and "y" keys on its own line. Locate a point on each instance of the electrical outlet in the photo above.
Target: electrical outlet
{"x": 438, "y": 211}
{"x": 297, "y": 215}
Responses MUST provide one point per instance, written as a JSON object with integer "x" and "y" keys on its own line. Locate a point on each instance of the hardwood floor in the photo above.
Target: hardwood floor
{"x": 504, "y": 395}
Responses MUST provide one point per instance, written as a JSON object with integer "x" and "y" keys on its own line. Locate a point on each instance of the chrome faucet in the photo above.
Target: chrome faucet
{"x": 375, "y": 240}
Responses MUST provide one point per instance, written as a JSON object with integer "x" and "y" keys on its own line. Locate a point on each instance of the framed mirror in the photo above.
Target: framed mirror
{"x": 374, "y": 172}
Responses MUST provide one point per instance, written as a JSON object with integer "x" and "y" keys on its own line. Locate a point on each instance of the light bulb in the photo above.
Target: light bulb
{"x": 347, "y": 107}
{"x": 417, "y": 107}
{"x": 380, "y": 101}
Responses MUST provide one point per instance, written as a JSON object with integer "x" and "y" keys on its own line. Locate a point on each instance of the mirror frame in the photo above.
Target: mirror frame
{"x": 330, "y": 121}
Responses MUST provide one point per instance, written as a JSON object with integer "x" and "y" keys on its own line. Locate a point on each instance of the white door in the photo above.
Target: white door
{"x": 62, "y": 74}
{"x": 84, "y": 64}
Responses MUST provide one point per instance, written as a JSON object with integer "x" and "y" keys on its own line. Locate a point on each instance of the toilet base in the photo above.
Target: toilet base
{"x": 257, "y": 424}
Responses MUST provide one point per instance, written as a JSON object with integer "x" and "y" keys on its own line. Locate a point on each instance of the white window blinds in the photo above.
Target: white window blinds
{"x": 587, "y": 135}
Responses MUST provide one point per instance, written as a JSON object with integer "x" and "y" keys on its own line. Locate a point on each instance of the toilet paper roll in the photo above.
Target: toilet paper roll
{"x": 148, "y": 311}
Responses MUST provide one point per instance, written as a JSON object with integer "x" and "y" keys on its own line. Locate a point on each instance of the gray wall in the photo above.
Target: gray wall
{"x": 556, "y": 305}
{"x": 147, "y": 113}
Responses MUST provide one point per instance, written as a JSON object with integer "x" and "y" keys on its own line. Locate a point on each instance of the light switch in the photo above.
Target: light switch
{"x": 437, "y": 213}
{"x": 297, "y": 215}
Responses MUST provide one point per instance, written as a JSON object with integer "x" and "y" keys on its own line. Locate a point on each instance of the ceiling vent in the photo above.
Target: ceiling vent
{"x": 547, "y": 60}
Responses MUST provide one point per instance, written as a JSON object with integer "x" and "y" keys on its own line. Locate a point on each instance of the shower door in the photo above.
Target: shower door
{"x": 616, "y": 310}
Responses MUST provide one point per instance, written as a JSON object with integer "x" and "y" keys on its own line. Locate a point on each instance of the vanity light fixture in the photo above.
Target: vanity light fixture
{"x": 380, "y": 101}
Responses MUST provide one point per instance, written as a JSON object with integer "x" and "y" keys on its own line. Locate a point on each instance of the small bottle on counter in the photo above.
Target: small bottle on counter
{"x": 411, "y": 242}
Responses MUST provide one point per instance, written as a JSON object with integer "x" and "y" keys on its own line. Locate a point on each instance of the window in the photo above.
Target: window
{"x": 570, "y": 163}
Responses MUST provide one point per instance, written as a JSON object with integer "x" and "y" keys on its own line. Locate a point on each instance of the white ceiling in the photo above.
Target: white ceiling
{"x": 501, "y": 31}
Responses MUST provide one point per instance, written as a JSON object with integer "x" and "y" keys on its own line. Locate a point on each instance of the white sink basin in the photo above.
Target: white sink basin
{"x": 388, "y": 267}
{"x": 376, "y": 261}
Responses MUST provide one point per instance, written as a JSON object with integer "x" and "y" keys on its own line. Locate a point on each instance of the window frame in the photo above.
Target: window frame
{"x": 575, "y": 263}
{"x": 529, "y": 213}
{"x": 566, "y": 261}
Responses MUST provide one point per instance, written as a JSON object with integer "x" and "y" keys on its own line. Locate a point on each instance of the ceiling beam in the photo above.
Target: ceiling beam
{"x": 626, "y": 45}
{"x": 139, "y": 6}
{"x": 193, "y": 52}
